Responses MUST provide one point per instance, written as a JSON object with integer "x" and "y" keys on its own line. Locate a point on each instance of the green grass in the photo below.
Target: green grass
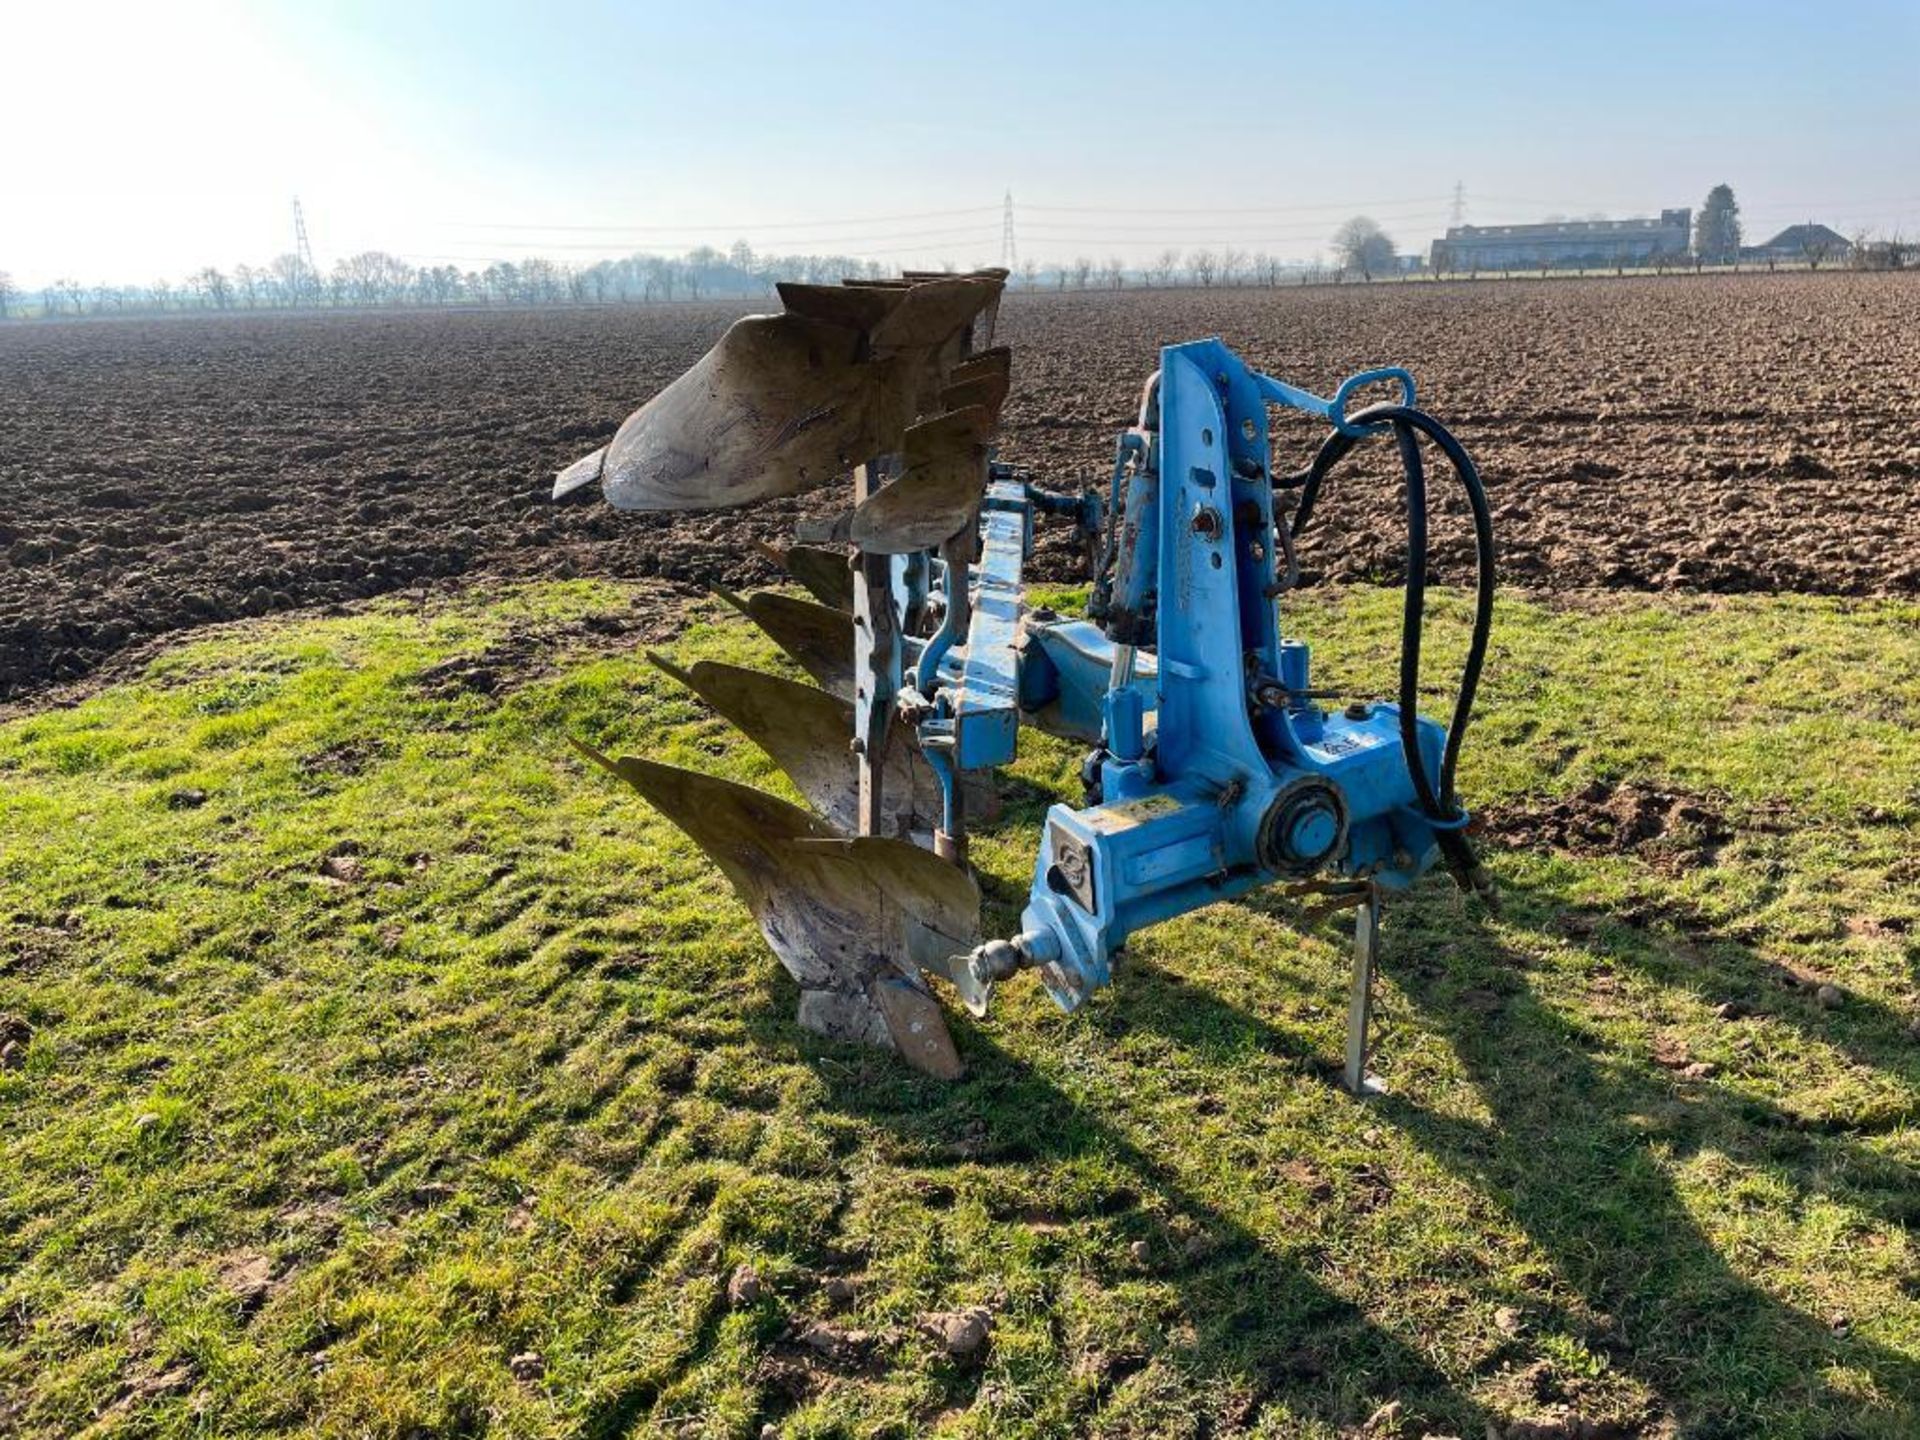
{"x": 375, "y": 1041}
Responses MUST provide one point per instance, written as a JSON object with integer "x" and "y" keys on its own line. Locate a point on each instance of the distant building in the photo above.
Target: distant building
{"x": 1802, "y": 244}
{"x": 1585, "y": 243}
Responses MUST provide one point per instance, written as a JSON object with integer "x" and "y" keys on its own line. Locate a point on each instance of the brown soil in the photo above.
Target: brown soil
{"x": 1614, "y": 819}
{"x": 1754, "y": 433}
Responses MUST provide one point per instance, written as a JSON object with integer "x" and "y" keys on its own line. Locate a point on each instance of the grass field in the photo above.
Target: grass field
{"x": 379, "y": 1070}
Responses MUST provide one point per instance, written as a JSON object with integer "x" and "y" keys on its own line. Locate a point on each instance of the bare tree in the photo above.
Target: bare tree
{"x": 1203, "y": 265}
{"x": 213, "y": 288}
{"x": 1082, "y": 270}
{"x": 1232, "y": 262}
{"x": 1164, "y": 264}
{"x": 1872, "y": 252}
{"x": 541, "y": 281}
{"x": 1362, "y": 245}
{"x": 1029, "y": 272}
{"x": 660, "y": 277}
{"x": 248, "y": 283}
{"x": 373, "y": 277}
{"x": 7, "y": 295}
{"x": 291, "y": 282}
{"x": 1114, "y": 272}
{"x": 501, "y": 283}
{"x": 359, "y": 276}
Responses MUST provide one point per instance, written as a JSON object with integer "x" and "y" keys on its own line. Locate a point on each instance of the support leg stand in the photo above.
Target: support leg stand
{"x": 1366, "y": 952}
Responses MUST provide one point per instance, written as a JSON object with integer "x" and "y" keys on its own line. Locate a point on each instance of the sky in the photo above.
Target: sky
{"x": 142, "y": 141}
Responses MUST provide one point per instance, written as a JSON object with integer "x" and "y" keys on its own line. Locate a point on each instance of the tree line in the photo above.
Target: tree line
{"x": 377, "y": 279}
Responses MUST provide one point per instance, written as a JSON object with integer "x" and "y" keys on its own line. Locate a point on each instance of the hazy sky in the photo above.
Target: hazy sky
{"x": 146, "y": 140}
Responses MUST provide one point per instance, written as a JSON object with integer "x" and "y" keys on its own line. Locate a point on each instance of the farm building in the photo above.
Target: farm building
{"x": 1809, "y": 242}
{"x": 1565, "y": 243}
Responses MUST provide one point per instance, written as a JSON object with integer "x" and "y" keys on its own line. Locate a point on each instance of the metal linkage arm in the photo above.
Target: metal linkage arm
{"x": 1334, "y": 411}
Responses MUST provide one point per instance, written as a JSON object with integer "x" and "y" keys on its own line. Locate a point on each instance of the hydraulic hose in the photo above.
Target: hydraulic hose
{"x": 1438, "y": 801}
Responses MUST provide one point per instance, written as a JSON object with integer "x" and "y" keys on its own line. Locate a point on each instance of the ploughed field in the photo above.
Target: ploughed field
{"x": 1721, "y": 435}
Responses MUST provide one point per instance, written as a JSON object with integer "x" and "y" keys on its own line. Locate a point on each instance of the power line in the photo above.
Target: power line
{"x": 1233, "y": 210}
{"x": 1772, "y": 206}
{"x": 979, "y": 242}
{"x": 924, "y": 239}
{"x": 735, "y": 225}
{"x": 1124, "y": 234}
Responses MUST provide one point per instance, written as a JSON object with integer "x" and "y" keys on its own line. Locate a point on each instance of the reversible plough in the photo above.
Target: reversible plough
{"x": 1213, "y": 766}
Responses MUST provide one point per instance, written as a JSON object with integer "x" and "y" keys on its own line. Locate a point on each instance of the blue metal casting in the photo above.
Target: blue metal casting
{"x": 1214, "y": 771}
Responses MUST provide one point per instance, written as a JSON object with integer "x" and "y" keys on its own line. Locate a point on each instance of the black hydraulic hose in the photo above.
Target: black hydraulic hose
{"x": 1412, "y": 623}
{"x": 1437, "y": 801}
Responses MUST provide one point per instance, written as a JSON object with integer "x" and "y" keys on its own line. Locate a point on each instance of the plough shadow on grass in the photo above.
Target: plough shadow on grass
{"x": 1261, "y": 1326}
{"x": 1569, "y": 1157}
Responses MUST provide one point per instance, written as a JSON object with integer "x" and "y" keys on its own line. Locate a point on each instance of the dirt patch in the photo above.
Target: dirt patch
{"x": 1607, "y": 819}
{"x": 530, "y": 652}
{"x": 1682, "y": 434}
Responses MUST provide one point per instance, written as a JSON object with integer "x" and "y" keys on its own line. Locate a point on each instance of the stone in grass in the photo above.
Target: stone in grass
{"x": 833, "y": 1344}
{"x": 1831, "y": 997}
{"x": 838, "y": 1290}
{"x": 528, "y": 1366}
{"x": 961, "y": 1333}
{"x": 15, "y": 1035}
{"x": 341, "y": 869}
{"x": 1386, "y": 1419}
{"x": 1509, "y": 1320}
{"x": 248, "y": 1277}
{"x": 743, "y": 1287}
